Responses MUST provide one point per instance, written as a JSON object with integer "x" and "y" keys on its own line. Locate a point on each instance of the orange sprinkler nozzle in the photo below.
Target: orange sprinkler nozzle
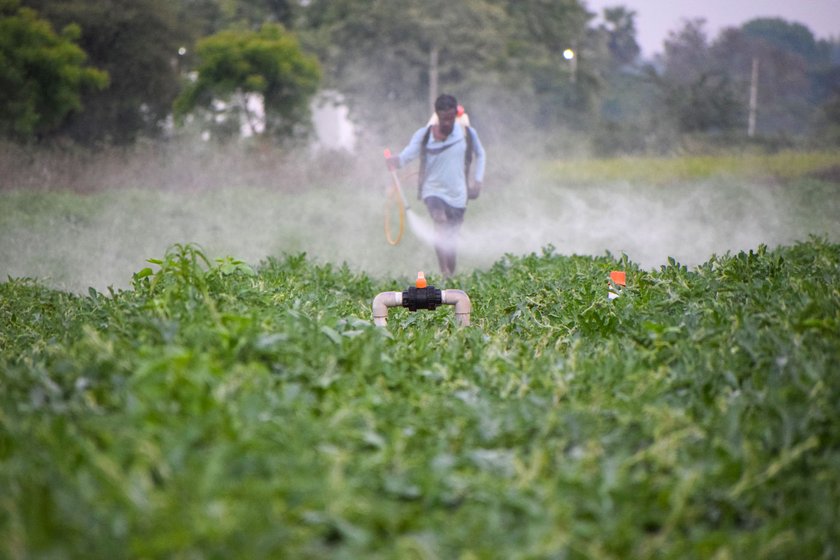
{"x": 619, "y": 277}
{"x": 421, "y": 280}
{"x": 387, "y": 153}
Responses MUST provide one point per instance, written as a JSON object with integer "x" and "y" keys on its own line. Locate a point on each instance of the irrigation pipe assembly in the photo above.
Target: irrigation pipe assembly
{"x": 422, "y": 296}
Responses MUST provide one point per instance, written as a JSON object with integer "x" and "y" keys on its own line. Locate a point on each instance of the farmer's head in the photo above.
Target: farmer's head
{"x": 446, "y": 108}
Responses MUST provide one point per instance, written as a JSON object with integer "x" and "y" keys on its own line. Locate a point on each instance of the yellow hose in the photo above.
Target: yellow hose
{"x": 394, "y": 196}
{"x": 394, "y": 199}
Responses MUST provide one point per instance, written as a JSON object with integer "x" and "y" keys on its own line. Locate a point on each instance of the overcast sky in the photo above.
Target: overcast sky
{"x": 655, "y": 18}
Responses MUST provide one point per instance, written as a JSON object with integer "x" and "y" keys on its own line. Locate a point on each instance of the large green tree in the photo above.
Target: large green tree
{"x": 766, "y": 78}
{"x": 627, "y": 117}
{"x": 42, "y": 74}
{"x": 620, "y": 28}
{"x": 780, "y": 75}
{"x": 697, "y": 95}
{"x": 786, "y": 36}
{"x": 268, "y": 63}
{"x": 797, "y": 74}
{"x": 137, "y": 43}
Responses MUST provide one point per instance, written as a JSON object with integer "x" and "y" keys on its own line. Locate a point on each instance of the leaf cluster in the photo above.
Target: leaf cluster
{"x": 42, "y": 74}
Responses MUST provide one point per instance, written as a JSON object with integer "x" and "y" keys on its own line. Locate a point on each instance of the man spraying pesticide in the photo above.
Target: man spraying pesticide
{"x": 446, "y": 152}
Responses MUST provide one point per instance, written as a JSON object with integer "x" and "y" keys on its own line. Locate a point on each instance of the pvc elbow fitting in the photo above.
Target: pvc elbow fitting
{"x": 381, "y": 303}
{"x": 461, "y": 301}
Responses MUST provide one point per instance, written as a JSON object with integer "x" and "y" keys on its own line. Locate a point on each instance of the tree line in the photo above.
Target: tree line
{"x": 115, "y": 71}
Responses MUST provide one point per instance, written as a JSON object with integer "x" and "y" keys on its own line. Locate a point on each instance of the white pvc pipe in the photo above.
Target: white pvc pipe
{"x": 458, "y": 298}
{"x": 461, "y": 301}
{"x": 381, "y": 303}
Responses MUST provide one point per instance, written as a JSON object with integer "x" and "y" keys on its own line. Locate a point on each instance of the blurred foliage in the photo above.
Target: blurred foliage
{"x": 378, "y": 53}
{"x": 43, "y": 75}
{"x": 620, "y": 26}
{"x": 789, "y": 37}
{"x": 269, "y": 63}
{"x": 136, "y": 42}
{"x": 221, "y": 410}
{"x": 828, "y": 121}
{"x": 502, "y": 58}
{"x": 697, "y": 95}
{"x": 705, "y": 83}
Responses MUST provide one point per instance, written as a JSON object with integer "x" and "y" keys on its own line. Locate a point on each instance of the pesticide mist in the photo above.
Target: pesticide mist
{"x": 98, "y": 227}
{"x": 688, "y": 222}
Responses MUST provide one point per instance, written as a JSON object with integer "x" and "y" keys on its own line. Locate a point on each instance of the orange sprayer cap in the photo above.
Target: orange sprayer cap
{"x": 421, "y": 280}
{"x": 618, "y": 277}
{"x": 387, "y": 153}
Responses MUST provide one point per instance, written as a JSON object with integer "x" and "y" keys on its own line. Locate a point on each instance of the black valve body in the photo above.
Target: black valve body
{"x": 421, "y": 298}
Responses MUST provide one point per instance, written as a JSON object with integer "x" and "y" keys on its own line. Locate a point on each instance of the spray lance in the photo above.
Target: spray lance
{"x": 422, "y": 296}
{"x": 395, "y": 197}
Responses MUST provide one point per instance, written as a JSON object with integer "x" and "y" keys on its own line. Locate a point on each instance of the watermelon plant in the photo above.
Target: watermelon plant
{"x": 216, "y": 409}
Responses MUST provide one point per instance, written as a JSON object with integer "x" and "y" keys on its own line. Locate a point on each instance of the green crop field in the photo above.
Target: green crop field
{"x": 215, "y": 410}
{"x": 213, "y": 406}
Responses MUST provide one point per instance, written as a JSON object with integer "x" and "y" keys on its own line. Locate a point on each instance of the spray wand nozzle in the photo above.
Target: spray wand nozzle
{"x": 387, "y": 154}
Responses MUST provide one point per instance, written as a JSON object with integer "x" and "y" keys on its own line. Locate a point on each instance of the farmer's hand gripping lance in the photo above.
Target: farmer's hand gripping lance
{"x": 399, "y": 200}
{"x": 422, "y": 296}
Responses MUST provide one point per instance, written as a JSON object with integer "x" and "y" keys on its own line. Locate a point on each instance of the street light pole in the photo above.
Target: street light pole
{"x": 571, "y": 56}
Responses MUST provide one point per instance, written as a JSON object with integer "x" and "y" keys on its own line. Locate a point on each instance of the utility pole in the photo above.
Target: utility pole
{"x": 753, "y": 97}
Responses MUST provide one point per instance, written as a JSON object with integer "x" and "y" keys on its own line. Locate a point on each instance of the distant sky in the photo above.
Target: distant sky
{"x": 655, "y": 18}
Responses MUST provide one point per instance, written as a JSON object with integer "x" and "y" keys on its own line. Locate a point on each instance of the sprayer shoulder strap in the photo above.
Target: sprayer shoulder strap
{"x": 468, "y": 156}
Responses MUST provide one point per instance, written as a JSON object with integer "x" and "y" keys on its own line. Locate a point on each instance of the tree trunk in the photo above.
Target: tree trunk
{"x": 433, "y": 76}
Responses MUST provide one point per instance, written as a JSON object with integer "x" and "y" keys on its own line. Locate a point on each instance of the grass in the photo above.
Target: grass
{"x": 783, "y": 166}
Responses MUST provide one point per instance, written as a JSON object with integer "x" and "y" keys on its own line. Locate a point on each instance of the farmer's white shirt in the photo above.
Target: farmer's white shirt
{"x": 445, "y": 164}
